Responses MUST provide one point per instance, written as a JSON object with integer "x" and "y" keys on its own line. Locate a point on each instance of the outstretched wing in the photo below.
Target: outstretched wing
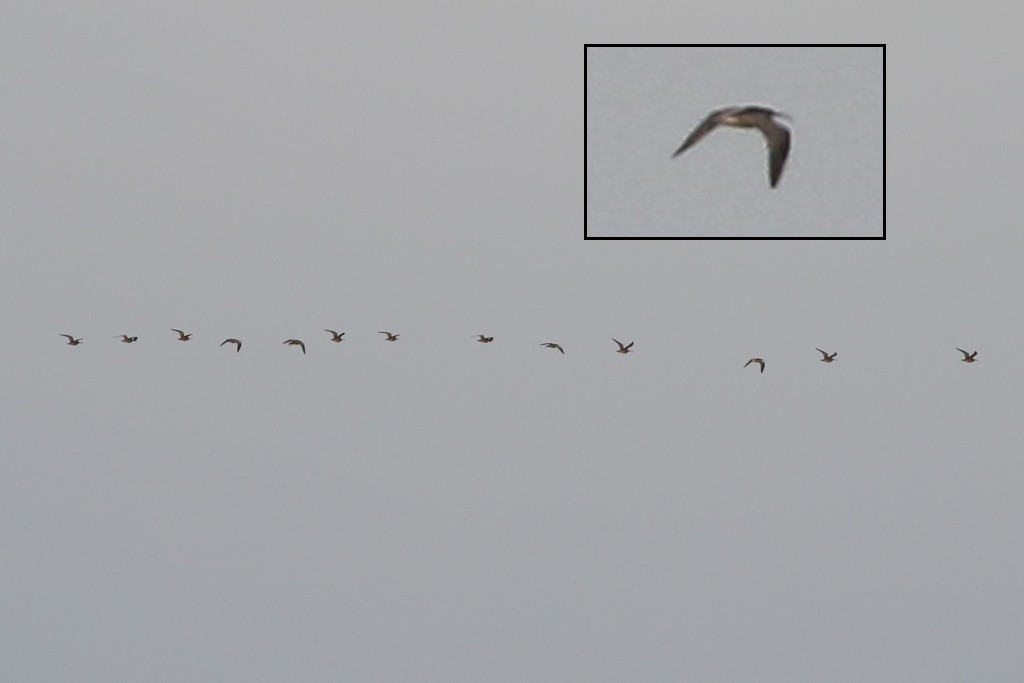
{"x": 711, "y": 122}
{"x": 777, "y": 137}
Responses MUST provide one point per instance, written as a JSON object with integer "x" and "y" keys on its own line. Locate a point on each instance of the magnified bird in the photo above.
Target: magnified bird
{"x": 553, "y": 345}
{"x": 181, "y": 335}
{"x": 826, "y": 358}
{"x": 71, "y": 340}
{"x": 485, "y": 340}
{"x": 294, "y": 342}
{"x": 762, "y": 118}
{"x": 968, "y": 357}
{"x": 238, "y": 344}
{"x": 125, "y": 338}
{"x": 391, "y": 337}
{"x": 755, "y": 360}
{"x": 336, "y": 336}
{"x": 622, "y": 349}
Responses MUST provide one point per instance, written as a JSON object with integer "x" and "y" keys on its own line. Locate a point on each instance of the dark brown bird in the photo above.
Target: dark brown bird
{"x": 755, "y": 360}
{"x": 181, "y": 335}
{"x": 485, "y": 340}
{"x": 295, "y": 342}
{"x": 125, "y": 338}
{"x": 71, "y": 340}
{"x": 553, "y": 345}
{"x": 237, "y": 343}
{"x": 968, "y": 357}
{"x": 391, "y": 337}
{"x": 826, "y": 358}
{"x": 622, "y": 349}
{"x": 762, "y": 118}
{"x": 336, "y": 336}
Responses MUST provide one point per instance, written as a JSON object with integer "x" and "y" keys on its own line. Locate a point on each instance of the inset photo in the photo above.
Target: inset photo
{"x": 735, "y": 142}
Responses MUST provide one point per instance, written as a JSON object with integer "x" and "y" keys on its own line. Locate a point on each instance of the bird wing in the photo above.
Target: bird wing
{"x": 966, "y": 355}
{"x": 821, "y": 352}
{"x": 710, "y": 122}
{"x": 777, "y": 137}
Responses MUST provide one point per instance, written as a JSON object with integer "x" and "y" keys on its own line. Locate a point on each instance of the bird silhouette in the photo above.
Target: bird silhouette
{"x": 391, "y": 337}
{"x": 622, "y": 349}
{"x": 968, "y": 357}
{"x": 295, "y": 342}
{"x": 336, "y": 336}
{"x": 125, "y": 338}
{"x": 181, "y": 335}
{"x": 71, "y": 340}
{"x": 236, "y": 342}
{"x": 762, "y": 118}
{"x": 755, "y": 360}
{"x": 553, "y": 345}
{"x": 826, "y": 358}
{"x": 485, "y": 340}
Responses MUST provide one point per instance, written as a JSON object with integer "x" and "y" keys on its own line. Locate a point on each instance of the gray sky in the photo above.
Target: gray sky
{"x": 642, "y": 102}
{"x": 441, "y": 510}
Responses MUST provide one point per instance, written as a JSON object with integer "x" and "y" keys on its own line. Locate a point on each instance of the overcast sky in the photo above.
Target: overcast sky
{"x": 437, "y": 509}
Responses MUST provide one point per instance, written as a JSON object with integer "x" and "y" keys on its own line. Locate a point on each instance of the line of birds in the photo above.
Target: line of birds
{"x": 339, "y": 336}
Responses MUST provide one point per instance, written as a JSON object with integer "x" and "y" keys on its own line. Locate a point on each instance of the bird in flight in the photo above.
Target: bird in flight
{"x": 755, "y": 360}
{"x": 826, "y": 358}
{"x": 125, "y": 338}
{"x": 292, "y": 342}
{"x": 181, "y": 335}
{"x": 336, "y": 336}
{"x": 485, "y": 340}
{"x": 238, "y": 344}
{"x": 553, "y": 345}
{"x": 622, "y": 349}
{"x": 391, "y": 337}
{"x": 775, "y": 135}
{"x": 968, "y": 357}
{"x": 71, "y": 340}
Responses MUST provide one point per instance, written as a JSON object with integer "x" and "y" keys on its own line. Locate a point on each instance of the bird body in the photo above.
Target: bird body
{"x": 181, "y": 335}
{"x": 236, "y": 342}
{"x": 71, "y": 340}
{"x": 336, "y": 336}
{"x": 485, "y": 340}
{"x": 776, "y": 135}
{"x": 391, "y": 337}
{"x": 826, "y": 358}
{"x": 126, "y": 339}
{"x": 552, "y": 345}
{"x": 622, "y": 349}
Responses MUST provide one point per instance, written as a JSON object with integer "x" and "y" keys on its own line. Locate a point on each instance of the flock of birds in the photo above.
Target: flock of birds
{"x": 483, "y": 339}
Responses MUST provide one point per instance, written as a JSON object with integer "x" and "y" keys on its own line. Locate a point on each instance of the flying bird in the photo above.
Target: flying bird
{"x": 125, "y": 338}
{"x": 755, "y": 360}
{"x": 826, "y": 358}
{"x": 622, "y": 349}
{"x": 391, "y": 337}
{"x": 336, "y": 336}
{"x": 238, "y": 344}
{"x": 553, "y": 345}
{"x": 181, "y": 335}
{"x": 775, "y": 135}
{"x": 293, "y": 342}
{"x": 968, "y": 357}
{"x": 485, "y": 340}
{"x": 71, "y": 340}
